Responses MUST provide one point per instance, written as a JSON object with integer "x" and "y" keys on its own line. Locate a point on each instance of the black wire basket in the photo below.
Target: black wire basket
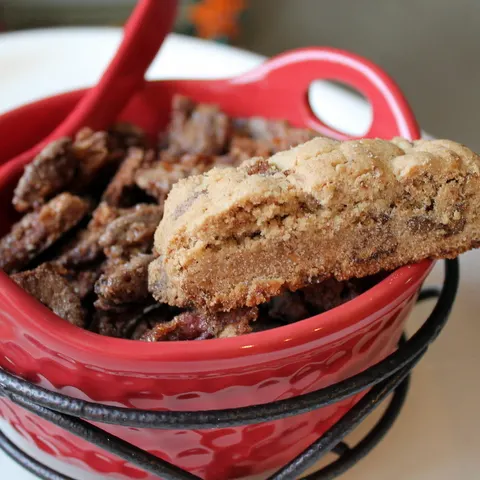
{"x": 389, "y": 375}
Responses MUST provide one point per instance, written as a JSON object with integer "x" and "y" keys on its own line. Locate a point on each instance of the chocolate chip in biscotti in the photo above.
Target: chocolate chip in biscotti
{"x": 54, "y": 291}
{"x": 38, "y": 230}
{"x": 259, "y": 166}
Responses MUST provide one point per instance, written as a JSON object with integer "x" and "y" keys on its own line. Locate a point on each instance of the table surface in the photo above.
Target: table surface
{"x": 436, "y": 436}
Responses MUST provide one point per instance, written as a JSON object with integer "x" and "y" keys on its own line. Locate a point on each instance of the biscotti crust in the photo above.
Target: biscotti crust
{"x": 236, "y": 237}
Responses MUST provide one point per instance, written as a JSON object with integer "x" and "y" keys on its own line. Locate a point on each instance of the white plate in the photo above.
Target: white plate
{"x": 436, "y": 437}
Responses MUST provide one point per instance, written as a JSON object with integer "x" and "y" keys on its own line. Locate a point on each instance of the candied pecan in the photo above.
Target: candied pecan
{"x": 54, "y": 291}
{"x": 133, "y": 232}
{"x": 121, "y": 189}
{"x": 85, "y": 247}
{"x": 136, "y": 328}
{"x": 262, "y": 137}
{"x": 196, "y": 325}
{"x": 82, "y": 280}
{"x": 82, "y": 249}
{"x": 266, "y": 323}
{"x": 107, "y": 324}
{"x": 159, "y": 178}
{"x": 201, "y": 129}
{"x": 36, "y": 231}
{"x": 51, "y": 171}
{"x": 131, "y": 323}
{"x": 278, "y": 133}
{"x": 125, "y": 135}
{"x": 93, "y": 152}
{"x": 234, "y": 323}
{"x": 152, "y": 315}
{"x": 123, "y": 282}
{"x": 243, "y": 148}
{"x": 329, "y": 294}
{"x": 288, "y": 307}
{"x": 103, "y": 215}
{"x": 112, "y": 324}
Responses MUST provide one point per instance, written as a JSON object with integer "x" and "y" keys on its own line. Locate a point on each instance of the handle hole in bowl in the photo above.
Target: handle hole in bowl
{"x": 341, "y": 107}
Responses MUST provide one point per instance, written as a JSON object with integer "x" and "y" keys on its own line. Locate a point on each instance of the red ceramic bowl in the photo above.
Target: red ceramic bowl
{"x": 211, "y": 374}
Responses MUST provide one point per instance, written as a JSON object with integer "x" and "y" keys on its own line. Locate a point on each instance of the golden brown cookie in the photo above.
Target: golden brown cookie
{"x": 237, "y": 237}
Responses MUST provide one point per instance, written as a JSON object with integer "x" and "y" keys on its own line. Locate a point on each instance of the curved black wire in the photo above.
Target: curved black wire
{"x": 107, "y": 441}
{"x": 414, "y": 348}
{"x": 348, "y": 456}
{"x": 353, "y": 455}
{"x": 427, "y": 293}
{"x": 29, "y": 463}
{"x": 309, "y": 457}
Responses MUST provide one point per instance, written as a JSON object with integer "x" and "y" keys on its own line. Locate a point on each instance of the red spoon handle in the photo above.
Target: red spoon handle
{"x": 144, "y": 33}
{"x": 291, "y": 74}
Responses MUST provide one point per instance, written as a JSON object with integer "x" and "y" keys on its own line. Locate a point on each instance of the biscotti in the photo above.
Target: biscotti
{"x": 235, "y": 237}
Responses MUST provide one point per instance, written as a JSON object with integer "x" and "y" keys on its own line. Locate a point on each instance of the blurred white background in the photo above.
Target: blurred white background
{"x": 431, "y": 47}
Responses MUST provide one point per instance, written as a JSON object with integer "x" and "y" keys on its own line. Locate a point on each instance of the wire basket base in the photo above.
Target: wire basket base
{"x": 347, "y": 456}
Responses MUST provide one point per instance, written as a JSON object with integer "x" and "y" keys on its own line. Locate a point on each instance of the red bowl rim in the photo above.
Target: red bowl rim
{"x": 395, "y": 288}
{"x": 352, "y": 315}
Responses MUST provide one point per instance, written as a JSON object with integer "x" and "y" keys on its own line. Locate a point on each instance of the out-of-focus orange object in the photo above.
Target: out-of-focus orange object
{"x": 216, "y": 18}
